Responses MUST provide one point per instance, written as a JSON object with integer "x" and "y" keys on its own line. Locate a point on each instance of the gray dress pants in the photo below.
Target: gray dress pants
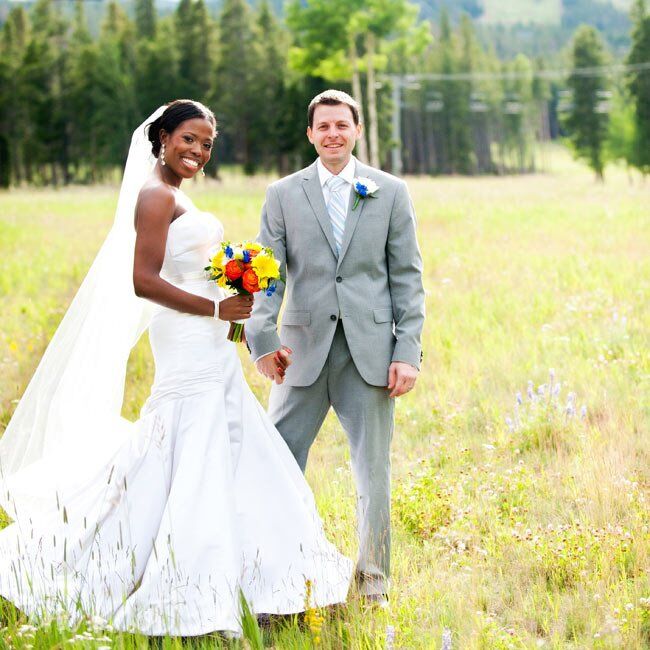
{"x": 366, "y": 414}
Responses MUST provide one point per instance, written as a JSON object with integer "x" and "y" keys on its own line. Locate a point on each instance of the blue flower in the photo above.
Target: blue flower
{"x": 271, "y": 290}
{"x": 247, "y": 257}
{"x": 363, "y": 187}
{"x": 229, "y": 252}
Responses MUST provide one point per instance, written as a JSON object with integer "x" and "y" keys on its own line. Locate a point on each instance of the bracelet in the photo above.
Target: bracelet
{"x": 216, "y": 310}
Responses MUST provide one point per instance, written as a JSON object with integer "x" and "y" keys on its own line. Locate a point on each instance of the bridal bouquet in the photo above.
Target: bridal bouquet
{"x": 244, "y": 268}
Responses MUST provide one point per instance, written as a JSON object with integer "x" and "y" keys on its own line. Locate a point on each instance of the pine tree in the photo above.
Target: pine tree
{"x": 193, "y": 42}
{"x": 639, "y": 87}
{"x": 621, "y": 138}
{"x": 156, "y": 69}
{"x": 456, "y": 136}
{"x": 117, "y": 61}
{"x": 587, "y": 121}
{"x": 236, "y": 91}
{"x": 516, "y": 113}
{"x": 42, "y": 72}
{"x": 145, "y": 19}
{"x": 118, "y": 25}
{"x": 271, "y": 93}
{"x": 13, "y": 116}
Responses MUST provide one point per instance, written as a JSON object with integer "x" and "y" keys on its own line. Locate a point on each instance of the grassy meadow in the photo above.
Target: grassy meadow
{"x": 521, "y": 462}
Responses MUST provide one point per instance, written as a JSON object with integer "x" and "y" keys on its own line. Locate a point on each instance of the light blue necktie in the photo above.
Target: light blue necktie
{"x": 337, "y": 208}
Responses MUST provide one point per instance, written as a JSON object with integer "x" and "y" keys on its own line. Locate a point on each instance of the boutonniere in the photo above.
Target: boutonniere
{"x": 363, "y": 187}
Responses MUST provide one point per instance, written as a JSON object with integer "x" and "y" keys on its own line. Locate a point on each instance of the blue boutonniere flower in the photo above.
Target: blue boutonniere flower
{"x": 363, "y": 188}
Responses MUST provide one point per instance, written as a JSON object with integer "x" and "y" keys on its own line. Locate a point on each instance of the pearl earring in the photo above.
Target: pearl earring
{"x": 202, "y": 171}
{"x": 162, "y": 156}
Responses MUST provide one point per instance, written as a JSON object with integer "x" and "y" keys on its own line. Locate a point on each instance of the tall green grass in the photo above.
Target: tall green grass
{"x": 519, "y": 521}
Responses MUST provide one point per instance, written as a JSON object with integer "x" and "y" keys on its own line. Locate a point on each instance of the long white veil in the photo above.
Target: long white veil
{"x": 70, "y": 414}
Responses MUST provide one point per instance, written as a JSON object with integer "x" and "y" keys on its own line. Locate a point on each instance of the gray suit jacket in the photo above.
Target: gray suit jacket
{"x": 374, "y": 285}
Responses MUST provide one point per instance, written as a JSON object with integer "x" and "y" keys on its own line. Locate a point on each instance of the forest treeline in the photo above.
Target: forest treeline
{"x": 69, "y": 100}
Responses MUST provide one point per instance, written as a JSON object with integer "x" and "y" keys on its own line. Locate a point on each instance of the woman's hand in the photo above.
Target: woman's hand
{"x": 235, "y": 308}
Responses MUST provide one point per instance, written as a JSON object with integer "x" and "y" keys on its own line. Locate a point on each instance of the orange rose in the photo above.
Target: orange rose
{"x": 253, "y": 253}
{"x": 250, "y": 281}
{"x": 233, "y": 270}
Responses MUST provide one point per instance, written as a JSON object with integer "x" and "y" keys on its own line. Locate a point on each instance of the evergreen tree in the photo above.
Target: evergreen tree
{"x": 456, "y": 141}
{"x": 145, "y": 19}
{"x": 118, "y": 25}
{"x": 13, "y": 117}
{"x": 156, "y": 69}
{"x": 639, "y": 87}
{"x": 587, "y": 121}
{"x": 518, "y": 100}
{"x": 117, "y": 54}
{"x": 236, "y": 92}
{"x": 193, "y": 42}
{"x": 621, "y": 138}
{"x": 42, "y": 83}
{"x": 270, "y": 93}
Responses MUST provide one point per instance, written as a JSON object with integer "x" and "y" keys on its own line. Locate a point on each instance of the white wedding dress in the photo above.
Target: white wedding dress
{"x": 197, "y": 500}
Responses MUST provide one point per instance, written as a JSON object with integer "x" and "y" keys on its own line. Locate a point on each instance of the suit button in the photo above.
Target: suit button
{"x": 333, "y": 317}
{"x": 339, "y": 278}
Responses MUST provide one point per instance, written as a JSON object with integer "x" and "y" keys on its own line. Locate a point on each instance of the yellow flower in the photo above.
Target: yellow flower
{"x": 254, "y": 246}
{"x": 267, "y": 268}
{"x": 223, "y": 282}
{"x": 218, "y": 260}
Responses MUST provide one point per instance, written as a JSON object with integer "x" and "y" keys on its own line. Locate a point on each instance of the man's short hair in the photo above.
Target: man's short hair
{"x": 332, "y": 98}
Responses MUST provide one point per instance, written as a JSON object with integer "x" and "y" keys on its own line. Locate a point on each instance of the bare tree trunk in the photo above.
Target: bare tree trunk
{"x": 373, "y": 128}
{"x": 362, "y": 145}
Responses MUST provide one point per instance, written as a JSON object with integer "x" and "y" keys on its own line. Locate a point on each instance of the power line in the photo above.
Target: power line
{"x": 562, "y": 73}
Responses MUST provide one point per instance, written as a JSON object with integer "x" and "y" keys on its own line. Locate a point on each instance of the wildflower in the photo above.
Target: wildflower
{"x": 313, "y": 617}
{"x": 390, "y": 637}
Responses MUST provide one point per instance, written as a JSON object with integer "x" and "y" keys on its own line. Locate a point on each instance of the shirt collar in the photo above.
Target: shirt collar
{"x": 347, "y": 173}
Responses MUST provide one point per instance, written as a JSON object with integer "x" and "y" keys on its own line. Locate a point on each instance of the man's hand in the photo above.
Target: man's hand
{"x": 401, "y": 378}
{"x": 274, "y": 365}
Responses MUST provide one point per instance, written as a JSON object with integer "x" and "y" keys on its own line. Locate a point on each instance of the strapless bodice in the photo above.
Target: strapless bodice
{"x": 191, "y": 239}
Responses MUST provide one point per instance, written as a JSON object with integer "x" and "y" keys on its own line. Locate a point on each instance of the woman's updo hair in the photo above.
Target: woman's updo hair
{"x": 177, "y": 112}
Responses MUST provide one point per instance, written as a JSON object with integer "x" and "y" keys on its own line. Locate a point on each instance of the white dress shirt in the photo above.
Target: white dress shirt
{"x": 346, "y": 174}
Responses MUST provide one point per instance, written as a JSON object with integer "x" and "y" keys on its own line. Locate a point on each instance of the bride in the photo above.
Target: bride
{"x": 157, "y": 526}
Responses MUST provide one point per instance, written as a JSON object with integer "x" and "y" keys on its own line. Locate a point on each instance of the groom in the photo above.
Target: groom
{"x": 353, "y": 316}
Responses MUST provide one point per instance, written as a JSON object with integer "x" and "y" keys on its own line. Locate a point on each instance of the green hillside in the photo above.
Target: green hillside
{"x": 545, "y": 12}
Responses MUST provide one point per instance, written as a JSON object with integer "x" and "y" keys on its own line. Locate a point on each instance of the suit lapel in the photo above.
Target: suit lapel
{"x": 353, "y": 216}
{"x": 314, "y": 192}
